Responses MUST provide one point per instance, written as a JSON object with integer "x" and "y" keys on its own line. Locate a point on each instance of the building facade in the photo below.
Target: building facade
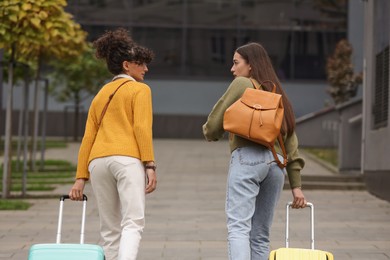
{"x": 376, "y": 130}
{"x": 194, "y": 41}
{"x": 196, "y": 38}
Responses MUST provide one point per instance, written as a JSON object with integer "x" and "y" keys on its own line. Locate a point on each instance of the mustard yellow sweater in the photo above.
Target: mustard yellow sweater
{"x": 126, "y": 128}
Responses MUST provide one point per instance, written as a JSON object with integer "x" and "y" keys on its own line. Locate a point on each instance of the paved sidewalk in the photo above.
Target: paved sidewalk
{"x": 185, "y": 215}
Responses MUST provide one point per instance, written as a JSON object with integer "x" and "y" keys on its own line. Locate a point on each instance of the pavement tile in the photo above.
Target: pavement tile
{"x": 185, "y": 216}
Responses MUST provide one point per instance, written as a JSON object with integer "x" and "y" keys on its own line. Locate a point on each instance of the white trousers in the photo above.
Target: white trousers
{"x": 118, "y": 183}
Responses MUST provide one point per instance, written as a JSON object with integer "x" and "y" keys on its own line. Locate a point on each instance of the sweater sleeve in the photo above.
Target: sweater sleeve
{"x": 295, "y": 162}
{"x": 143, "y": 123}
{"x": 213, "y": 128}
{"x": 86, "y": 145}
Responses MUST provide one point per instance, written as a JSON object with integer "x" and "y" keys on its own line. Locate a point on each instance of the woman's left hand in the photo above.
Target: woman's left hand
{"x": 76, "y": 192}
{"x": 299, "y": 198}
{"x": 151, "y": 180}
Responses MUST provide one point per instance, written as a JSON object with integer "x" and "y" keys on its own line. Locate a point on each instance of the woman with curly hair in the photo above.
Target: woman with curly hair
{"x": 116, "y": 152}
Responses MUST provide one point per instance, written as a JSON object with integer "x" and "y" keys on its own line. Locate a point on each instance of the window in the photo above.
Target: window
{"x": 380, "y": 108}
{"x": 381, "y": 89}
{"x": 198, "y": 37}
{"x": 218, "y": 52}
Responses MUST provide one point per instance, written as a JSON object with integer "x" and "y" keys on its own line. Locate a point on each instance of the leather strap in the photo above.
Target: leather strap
{"x": 105, "y": 108}
{"x": 258, "y": 87}
{"x": 108, "y": 102}
{"x": 285, "y": 160}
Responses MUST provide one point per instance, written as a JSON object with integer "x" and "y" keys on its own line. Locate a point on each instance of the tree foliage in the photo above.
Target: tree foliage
{"x": 341, "y": 77}
{"x": 82, "y": 74}
{"x": 20, "y": 71}
{"x": 73, "y": 78}
{"x": 39, "y": 27}
{"x": 32, "y": 31}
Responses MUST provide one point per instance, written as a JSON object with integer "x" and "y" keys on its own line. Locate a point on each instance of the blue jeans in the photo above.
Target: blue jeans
{"x": 253, "y": 189}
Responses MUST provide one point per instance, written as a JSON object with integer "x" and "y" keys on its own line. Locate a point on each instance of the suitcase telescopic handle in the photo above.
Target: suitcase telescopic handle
{"x": 311, "y": 206}
{"x": 62, "y": 199}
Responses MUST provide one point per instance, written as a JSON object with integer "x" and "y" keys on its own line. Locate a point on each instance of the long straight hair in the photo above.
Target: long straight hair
{"x": 262, "y": 70}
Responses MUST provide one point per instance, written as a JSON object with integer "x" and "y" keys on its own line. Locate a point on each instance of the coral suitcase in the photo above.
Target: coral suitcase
{"x": 60, "y": 251}
{"x": 300, "y": 253}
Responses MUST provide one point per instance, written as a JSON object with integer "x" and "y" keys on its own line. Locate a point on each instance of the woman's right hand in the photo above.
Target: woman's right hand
{"x": 76, "y": 193}
{"x": 151, "y": 180}
{"x": 299, "y": 199}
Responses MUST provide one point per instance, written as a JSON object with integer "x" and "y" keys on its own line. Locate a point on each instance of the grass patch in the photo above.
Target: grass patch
{"x": 56, "y": 172}
{"x": 328, "y": 155}
{"x": 51, "y": 167}
{"x": 33, "y": 187}
{"x": 6, "y": 204}
{"x": 49, "y": 143}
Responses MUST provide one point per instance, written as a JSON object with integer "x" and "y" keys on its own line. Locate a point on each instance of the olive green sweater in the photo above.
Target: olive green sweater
{"x": 213, "y": 131}
{"x": 126, "y": 128}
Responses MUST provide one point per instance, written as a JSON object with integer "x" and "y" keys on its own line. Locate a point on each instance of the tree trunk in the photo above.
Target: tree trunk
{"x": 76, "y": 117}
{"x": 21, "y": 122}
{"x": 24, "y": 128}
{"x": 1, "y": 85}
{"x": 8, "y": 131}
{"x": 44, "y": 120}
{"x": 35, "y": 121}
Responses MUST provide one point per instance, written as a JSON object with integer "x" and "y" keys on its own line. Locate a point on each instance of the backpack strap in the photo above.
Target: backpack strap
{"x": 285, "y": 160}
{"x": 254, "y": 83}
{"x": 262, "y": 83}
{"x": 273, "y": 85}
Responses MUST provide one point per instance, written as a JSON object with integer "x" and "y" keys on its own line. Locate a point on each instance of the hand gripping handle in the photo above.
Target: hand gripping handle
{"x": 62, "y": 199}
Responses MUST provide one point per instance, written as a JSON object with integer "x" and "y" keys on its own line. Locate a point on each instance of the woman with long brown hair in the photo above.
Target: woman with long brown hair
{"x": 255, "y": 181}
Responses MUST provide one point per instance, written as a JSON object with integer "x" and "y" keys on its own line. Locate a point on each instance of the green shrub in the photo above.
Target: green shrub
{"x": 328, "y": 155}
{"x": 9, "y": 204}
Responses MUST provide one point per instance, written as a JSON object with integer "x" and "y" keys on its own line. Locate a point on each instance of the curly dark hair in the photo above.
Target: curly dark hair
{"x": 117, "y": 46}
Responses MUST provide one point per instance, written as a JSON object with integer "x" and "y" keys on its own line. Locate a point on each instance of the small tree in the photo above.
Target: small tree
{"x": 16, "y": 27}
{"x": 63, "y": 38}
{"x": 31, "y": 30}
{"x": 341, "y": 77}
{"x": 73, "y": 78}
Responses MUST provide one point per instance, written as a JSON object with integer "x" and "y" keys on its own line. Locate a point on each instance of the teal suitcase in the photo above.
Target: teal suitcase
{"x": 287, "y": 253}
{"x": 60, "y": 251}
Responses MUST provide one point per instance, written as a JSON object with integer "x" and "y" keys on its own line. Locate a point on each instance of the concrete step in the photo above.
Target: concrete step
{"x": 333, "y": 186}
{"x": 333, "y": 178}
{"x": 331, "y": 182}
